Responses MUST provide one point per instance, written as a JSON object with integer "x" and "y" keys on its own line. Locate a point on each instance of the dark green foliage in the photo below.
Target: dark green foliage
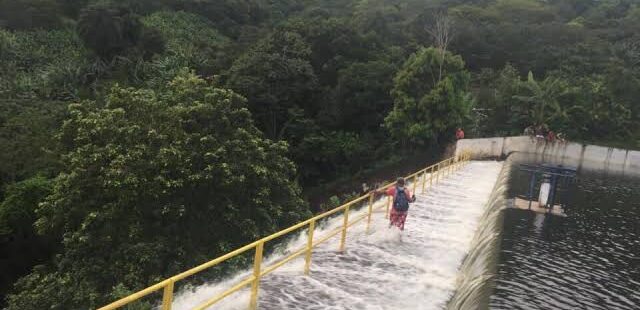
{"x": 41, "y": 64}
{"x": 540, "y": 101}
{"x": 275, "y": 76}
{"x": 17, "y": 211}
{"x": 109, "y": 30}
{"x": 20, "y": 246}
{"x": 154, "y": 183}
{"x": 525, "y": 33}
{"x": 361, "y": 97}
{"x": 496, "y": 97}
{"x": 430, "y": 97}
{"x": 26, "y": 139}
{"x": 334, "y": 44}
{"x": 191, "y": 42}
{"x": 30, "y": 14}
{"x": 585, "y": 108}
{"x": 338, "y": 82}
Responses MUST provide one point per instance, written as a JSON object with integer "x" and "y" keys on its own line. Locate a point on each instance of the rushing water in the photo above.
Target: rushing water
{"x": 588, "y": 260}
{"x": 379, "y": 270}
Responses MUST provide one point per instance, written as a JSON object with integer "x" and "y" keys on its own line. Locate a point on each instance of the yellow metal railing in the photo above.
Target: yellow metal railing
{"x": 435, "y": 173}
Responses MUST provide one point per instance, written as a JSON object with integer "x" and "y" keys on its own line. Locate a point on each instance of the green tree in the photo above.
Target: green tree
{"x": 110, "y": 30}
{"x": 41, "y": 64}
{"x": 597, "y": 113}
{"x": 427, "y": 109}
{"x": 154, "y": 183}
{"x": 275, "y": 76}
{"x": 26, "y": 127}
{"x": 333, "y": 43}
{"x": 495, "y": 93}
{"x": 18, "y": 210}
{"x": 542, "y": 100}
{"x": 30, "y": 14}
{"x": 192, "y": 41}
{"x": 526, "y": 33}
{"x": 230, "y": 16}
{"x": 21, "y": 246}
{"x": 623, "y": 74}
{"x": 361, "y": 99}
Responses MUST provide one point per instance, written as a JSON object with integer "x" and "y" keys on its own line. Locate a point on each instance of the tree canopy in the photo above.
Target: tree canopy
{"x": 139, "y": 124}
{"x": 430, "y": 95}
{"x": 153, "y": 183}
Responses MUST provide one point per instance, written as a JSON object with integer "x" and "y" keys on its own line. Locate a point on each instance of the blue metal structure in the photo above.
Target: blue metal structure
{"x": 555, "y": 175}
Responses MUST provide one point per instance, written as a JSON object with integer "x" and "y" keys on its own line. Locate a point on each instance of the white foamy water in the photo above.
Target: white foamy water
{"x": 382, "y": 269}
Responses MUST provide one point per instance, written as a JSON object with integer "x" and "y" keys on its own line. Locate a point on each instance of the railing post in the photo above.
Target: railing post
{"x": 435, "y": 172}
{"x": 438, "y": 174}
{"x": 414, "y": 183}
{"x": 344, "y": 228}
{"x": 424, "y": 179}
{"x": 386, "y": 213}
{"x": 167, "y": 295}
{"x": 370, "y": 210}
{"x": 257, "y": 261}
{"x": 307, "y": 260}
{"x": 446, "y": 168}
{"x": 433, "y": 167}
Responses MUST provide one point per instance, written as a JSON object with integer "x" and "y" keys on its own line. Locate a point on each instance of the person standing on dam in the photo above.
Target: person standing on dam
{"x": 402, "y": 197}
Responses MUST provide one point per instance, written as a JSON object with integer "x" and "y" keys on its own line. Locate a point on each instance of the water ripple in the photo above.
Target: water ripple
{"x": 588, "y": 260}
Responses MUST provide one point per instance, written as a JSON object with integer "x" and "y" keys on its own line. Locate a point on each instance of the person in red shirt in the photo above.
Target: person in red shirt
{"x": 459, "y": 133}
{"x": 551, "y": 136}
{"x": 401, "y": 198}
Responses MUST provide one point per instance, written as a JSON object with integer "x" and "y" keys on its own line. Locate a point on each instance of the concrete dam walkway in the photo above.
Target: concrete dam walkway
{"x": 382, "y": 268}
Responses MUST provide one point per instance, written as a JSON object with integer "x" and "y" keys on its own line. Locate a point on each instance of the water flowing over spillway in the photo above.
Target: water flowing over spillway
{"x": 381, "y": 269}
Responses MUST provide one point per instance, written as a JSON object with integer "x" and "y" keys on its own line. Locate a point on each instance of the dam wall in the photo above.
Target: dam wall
{"x": 582, "y": 156}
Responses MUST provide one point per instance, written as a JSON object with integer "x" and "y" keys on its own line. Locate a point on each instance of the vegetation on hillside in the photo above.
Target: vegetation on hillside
{"x": 141, "y": 137}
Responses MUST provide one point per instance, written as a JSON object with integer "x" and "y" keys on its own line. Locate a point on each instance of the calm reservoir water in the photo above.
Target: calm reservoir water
{"x": 588, "y": 260}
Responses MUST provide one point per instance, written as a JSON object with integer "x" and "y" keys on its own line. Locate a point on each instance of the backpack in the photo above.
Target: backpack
{"x": 400, "y": 201}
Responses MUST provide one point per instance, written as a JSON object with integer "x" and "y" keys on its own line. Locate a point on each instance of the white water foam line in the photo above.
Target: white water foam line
{"x": 381, "y": 269}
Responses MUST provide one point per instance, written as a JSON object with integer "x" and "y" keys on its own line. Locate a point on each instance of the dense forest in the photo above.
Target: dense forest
{"x": 139, "y": 138}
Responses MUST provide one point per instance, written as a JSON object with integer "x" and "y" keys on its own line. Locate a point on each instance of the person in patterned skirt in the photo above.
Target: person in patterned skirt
{"x": 402, "y": 197}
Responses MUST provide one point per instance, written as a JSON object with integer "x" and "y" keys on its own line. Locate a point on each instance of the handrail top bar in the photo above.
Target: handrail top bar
{"x": 135, "y": 296}
{"x": 419, "y": 171}
{"x": 146, "y": 291}
{"x": 215, "y": 261}
{"x": 284, "y": 231}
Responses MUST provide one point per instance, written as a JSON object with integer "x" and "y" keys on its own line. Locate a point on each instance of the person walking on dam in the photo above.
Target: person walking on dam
{"x": 402, "y": 197}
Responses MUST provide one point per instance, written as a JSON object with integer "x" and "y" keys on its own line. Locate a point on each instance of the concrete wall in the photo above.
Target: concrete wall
{"x": 585, "y": 157}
